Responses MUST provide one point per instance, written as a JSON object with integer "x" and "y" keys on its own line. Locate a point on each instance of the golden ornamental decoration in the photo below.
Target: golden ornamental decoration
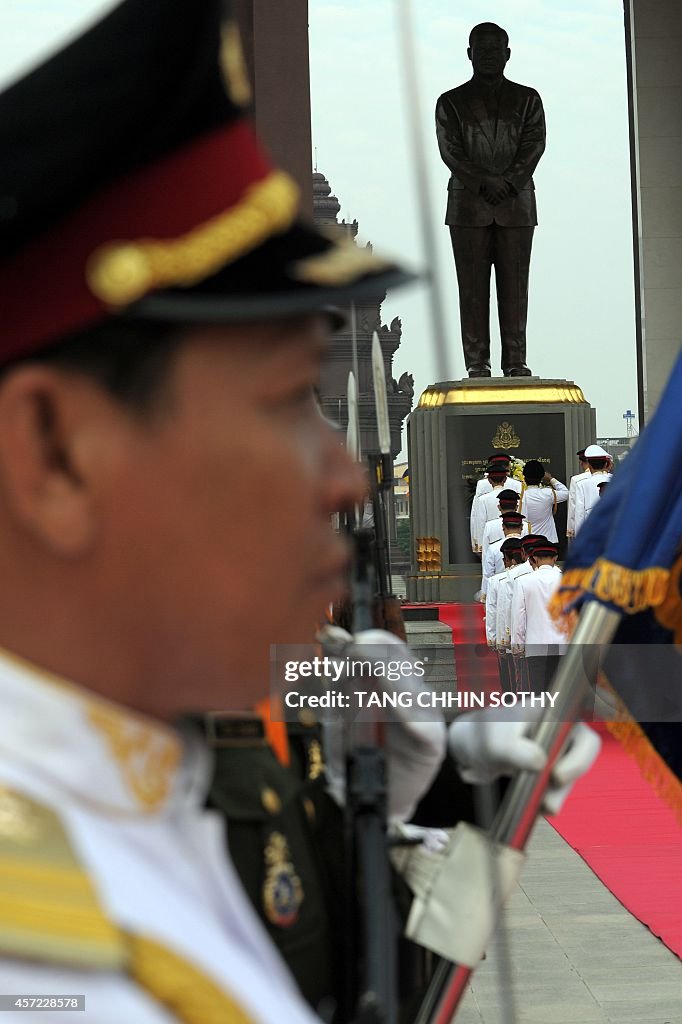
{"x": 282, "y": 888}
{"x": 669, "y": 612}
{"x": 147, "y": 758}
{"x": 561, "y": 392}
{"x": 190, "y": 994}
{"x": 120, "y": 273}
{"x": 429, "y": 557}
{"x": 505, "y": 437}
{"x": 270, "y": 800}
{"x": 233, "y": 66}
{"x": 49, "y": 909}
{"x": 344, "y": 263}
{"x": 18, "y": 822}
{"x": 315, "y": 760}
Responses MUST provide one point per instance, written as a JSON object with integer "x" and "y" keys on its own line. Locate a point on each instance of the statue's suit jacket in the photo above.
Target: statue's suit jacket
{"x": 472, "y": 148}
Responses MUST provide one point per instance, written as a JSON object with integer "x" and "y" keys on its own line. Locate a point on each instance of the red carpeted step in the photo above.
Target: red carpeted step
{"x": 475, "y": 663}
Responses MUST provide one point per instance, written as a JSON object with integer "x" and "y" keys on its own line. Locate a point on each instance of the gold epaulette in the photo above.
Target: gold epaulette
{"x": 49, "y": 908}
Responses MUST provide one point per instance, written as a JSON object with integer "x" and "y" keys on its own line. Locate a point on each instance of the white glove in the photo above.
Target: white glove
{"x": 414, "y": 748}
{"x": 488, "y": 744}
{"x": 581, "y": 751}
{"x": 430, "y": 840}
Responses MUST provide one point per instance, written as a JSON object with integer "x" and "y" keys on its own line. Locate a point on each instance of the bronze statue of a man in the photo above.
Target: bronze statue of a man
{"x": 491, "y": 135}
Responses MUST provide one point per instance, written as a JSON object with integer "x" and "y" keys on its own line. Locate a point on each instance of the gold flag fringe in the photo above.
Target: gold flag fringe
{"x": 628, "y": 589}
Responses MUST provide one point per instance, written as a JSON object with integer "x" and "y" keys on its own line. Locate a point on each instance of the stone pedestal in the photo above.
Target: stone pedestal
{"x": 451, "y": 433}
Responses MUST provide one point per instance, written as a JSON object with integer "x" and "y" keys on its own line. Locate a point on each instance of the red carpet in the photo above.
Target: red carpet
{"x": 631, "y": 840}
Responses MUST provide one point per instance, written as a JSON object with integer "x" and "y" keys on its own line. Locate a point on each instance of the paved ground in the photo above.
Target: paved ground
{"x": 576, "y": 954}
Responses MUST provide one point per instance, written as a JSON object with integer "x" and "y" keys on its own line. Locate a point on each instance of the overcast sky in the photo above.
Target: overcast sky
{"x": 581, "y": 310}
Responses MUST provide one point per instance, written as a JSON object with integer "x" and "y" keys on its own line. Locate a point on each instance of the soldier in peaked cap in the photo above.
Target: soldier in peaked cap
{"x": 497, "y": 477}
{"x": 497, "y": 461}
{"x": 512, "y": 526}
{"x": 539, "y": 503}
{"x": 521, "y": 565}
{"x": 582, "y": 475}
{"x": 507, "y": 500}
{"x": 161, "y": 338}
{"x": 533, "y": 633}
{"x": 510, "y": 550}
{"x": 587, "y": 489}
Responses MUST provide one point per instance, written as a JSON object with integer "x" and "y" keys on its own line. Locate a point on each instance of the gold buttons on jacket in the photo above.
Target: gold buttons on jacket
{"x": 270, "y": 800}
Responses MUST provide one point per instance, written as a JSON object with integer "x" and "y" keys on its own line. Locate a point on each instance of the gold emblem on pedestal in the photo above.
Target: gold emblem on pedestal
{"x": 428, "y": 554}
{"x": 505, "y": 437}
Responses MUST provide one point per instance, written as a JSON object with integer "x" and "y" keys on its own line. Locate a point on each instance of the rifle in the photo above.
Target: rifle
{"x": 373, "y": 990}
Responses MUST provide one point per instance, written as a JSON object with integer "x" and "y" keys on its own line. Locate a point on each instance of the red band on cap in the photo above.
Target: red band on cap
{"x": 43, "y": 290}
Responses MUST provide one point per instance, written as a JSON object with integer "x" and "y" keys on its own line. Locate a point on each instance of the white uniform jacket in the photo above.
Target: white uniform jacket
{"x": 484, "y": 485}
{"x": 476, "y": 524}
{"x": 484, "y": 508}
{"x": 114, "y": 880}
{"x": 570, "y": 513}
{"x": 494, "y": 560}
{"x": 587, "y": 496}
{"x": 537, "y": 505}
{"x": 504, "y": 602}
{"x": 489, "y": 504}
{"x": 491, "y": 598}
{"x": 531, "y": 625}
{"x": 493, "y": 531}
{"x": 477, "y": 516}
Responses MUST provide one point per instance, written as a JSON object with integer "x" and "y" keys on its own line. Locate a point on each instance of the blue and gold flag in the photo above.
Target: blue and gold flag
{"x": 628, "y": 556}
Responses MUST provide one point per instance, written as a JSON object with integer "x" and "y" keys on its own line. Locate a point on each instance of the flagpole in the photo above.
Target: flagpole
{"x": 436, "y": 305}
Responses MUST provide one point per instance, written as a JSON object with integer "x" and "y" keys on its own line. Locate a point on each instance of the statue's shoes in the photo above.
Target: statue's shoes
{"x": 518, "y": 371}
{"x": 480, "y": 371}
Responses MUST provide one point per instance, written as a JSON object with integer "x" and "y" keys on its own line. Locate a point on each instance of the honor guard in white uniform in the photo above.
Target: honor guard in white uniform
{"x": 504, "y": 605}
{"x": 491, "y": 608}
{"x": 533, "y": 632}
{"x": 113, "y": 876}
{"x": 521, "y": 566}
{"x": 587, "y": 489}
{"x": 512, "y": 523}
{"x": 495, "y": 461}
{"x": 486, "y": 506}
{"x": 508, "y": 501}
{"x": 496, "y": 478}
{"x": 500, "y": 499}
{"x": 512, "y": 553}
{"x": 538, "y": 504}
{"x": 570, "y": 512}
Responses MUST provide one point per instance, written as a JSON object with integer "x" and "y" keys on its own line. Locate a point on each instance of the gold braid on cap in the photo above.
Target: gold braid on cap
{"x": 120, "y": 273}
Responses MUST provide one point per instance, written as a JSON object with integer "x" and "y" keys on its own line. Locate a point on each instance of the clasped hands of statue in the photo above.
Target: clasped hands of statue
{"x": 495, "y": 189}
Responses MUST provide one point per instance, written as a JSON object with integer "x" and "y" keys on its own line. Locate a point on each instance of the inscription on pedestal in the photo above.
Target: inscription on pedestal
{"x": 471, "y": 437}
